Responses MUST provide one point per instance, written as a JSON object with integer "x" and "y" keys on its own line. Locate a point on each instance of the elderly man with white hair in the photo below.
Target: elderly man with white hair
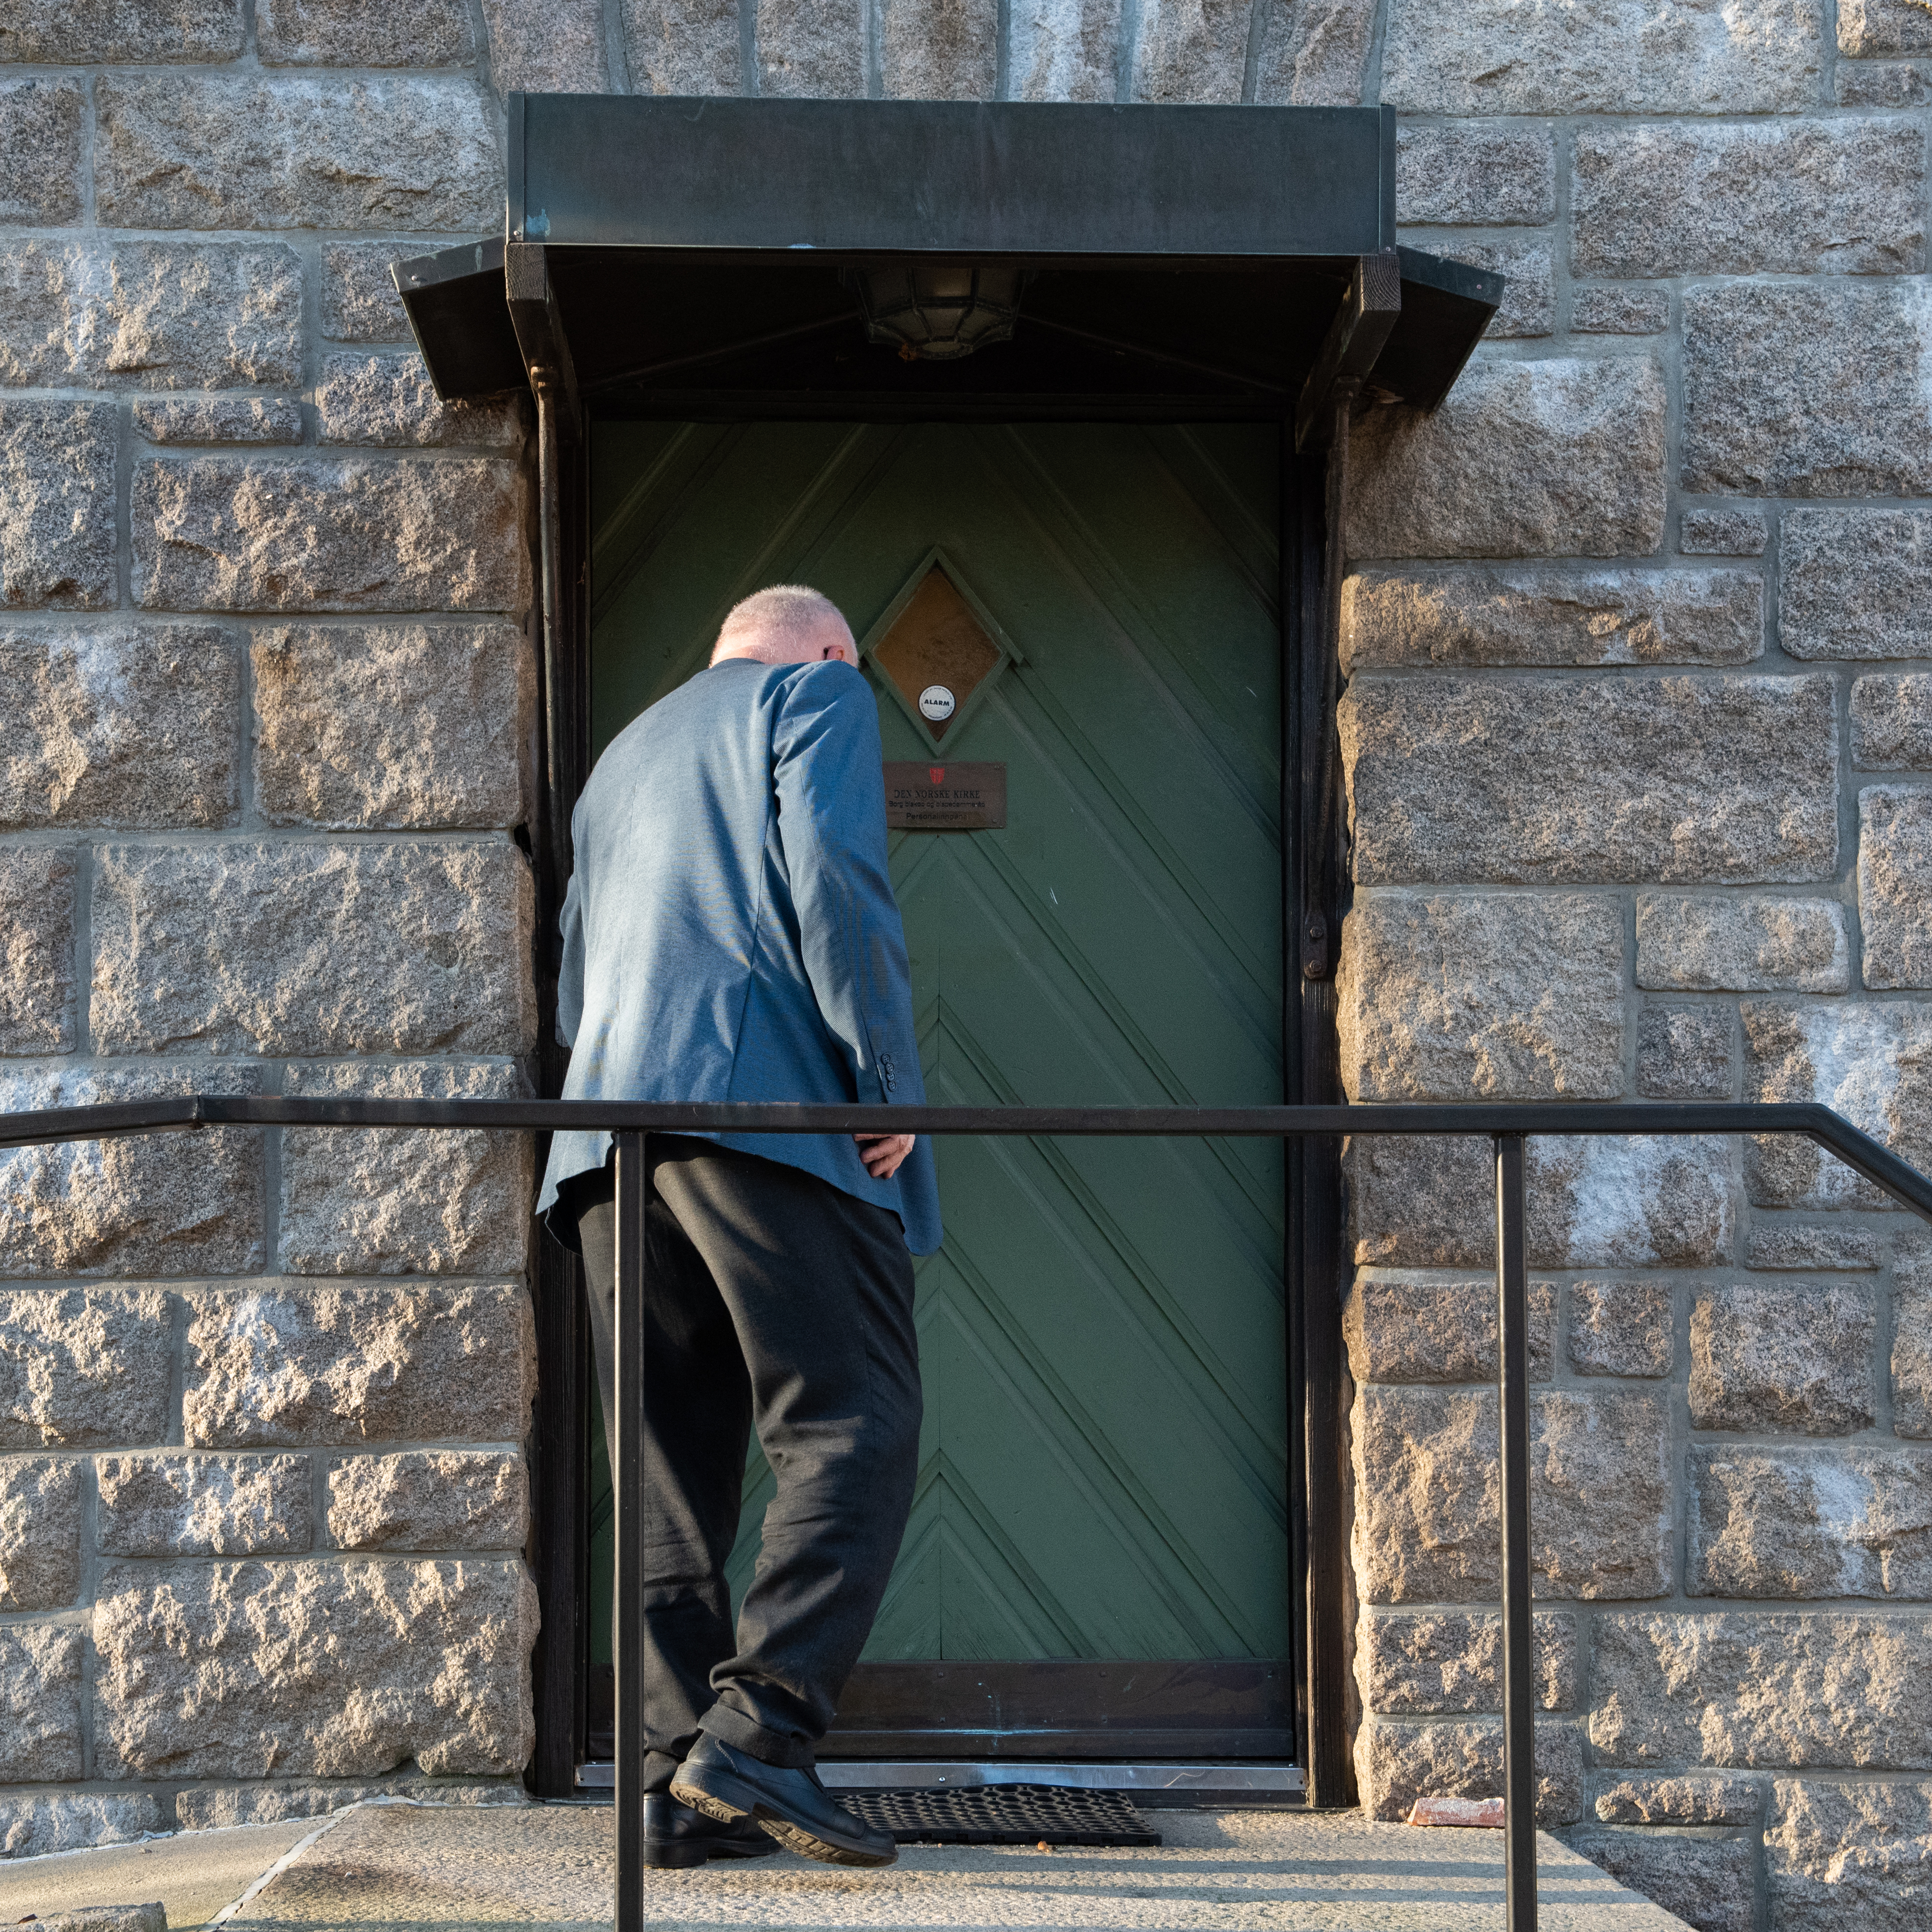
{"x": 731, "y": 934}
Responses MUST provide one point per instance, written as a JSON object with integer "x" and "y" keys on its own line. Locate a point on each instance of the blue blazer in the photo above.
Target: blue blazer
{"x": 730, "y": 933}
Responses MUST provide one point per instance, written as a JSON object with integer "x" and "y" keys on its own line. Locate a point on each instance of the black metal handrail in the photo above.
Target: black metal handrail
{"x": 1509, "y": 1125}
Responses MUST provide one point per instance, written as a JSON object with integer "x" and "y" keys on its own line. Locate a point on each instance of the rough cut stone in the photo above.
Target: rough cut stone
{"x": 351, "y": 33}
{"x": 392, "y": 727}
{"x": 1721, "y": 533}
{"x": 338, "y": 533}
{"x": 41, "y": 166}
{"x": 811, "y": 47}
{"x": 1435, "y": 1328}
{"x": 1891, "y": 722}
{"x": 1581, "y": 442}
{"x": 1602, "y": 57}
{"x": 308, "y": 948}
{"x": 1801, "y": 197}
{"x": 39, "y": 1702}
{"x": 1427, "y": 1503}
{"x": 1631, "y": 1202}
{"x": 1685, "y": 1053}
{"x": 57, "y": 537}
{"x": 1682, "y": 1800}
{"x": 432, "y": 1499}
{"x": 1711, "y": 1883}
{"x": 80, "y": 1366}
{"x": 357, "y": 300}
{"x": 66, "y": 31}
{"x": 1313, "y": 54}
{"x": 35, "y": 1824}
{"x": 258, "y": 151}
{"x": 36, "y": 948}
{"x": 1895, "y": 886}
{"x": 1626, "y": 312}
{"x": 1799, "y": 390}
{"x": 162, "y": 314}
{"x": 1912, "y": 1351}
{"x": 1855, "y": 1521}
{"x": 389, "y": 1203}
{"x": 939, "y": 49}
{"x": 684, "y": 46}
{"x": 1191, "y": 50}
{"x": 1413, "y": 1664}
{"x": 218, "y": 419}
{"x": 1754, "y": 943}
{"x": 1873, "y": 1062}
{"x": 1621, "y": 1328}
{"x": 1867, "y": 27}
{"x": 373, "y": 1662}
{"x": 1397, "y": 1764}
{"x": 1062, "y": 49}
{"x": 1760, "y": 1688}
{"x": 1523, "y": 780}
{"x": 1462, "y": 174}
{"x": 124, "y": 725}
{"x": 210, "y": 1808}
{"x": 547, "y": 46}
{"x": 1839, "y": 1857}
{"x": 285, "y": 1363}
{"x": 387, "y": 400}
{"x": 152, "y": 1918}
{"x": 1542, "y": 616}
{"x": 1787, "y": 1244}
{"x": 169, "y": 1504}
{"x": 1766, "y": 1355}
{"x": 1888, "y": 84}
{"x": 1499, "y": 995}
{"x": 153, "y": 1204}
{"x": 40, "y": 1532}
{"x": 1856, "y": 584}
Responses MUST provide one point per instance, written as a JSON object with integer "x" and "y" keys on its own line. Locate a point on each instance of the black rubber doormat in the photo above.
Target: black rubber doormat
{"x": 1002, "y": 1814}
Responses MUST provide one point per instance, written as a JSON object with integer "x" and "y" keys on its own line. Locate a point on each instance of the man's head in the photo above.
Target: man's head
{"x": 786, "y": 624}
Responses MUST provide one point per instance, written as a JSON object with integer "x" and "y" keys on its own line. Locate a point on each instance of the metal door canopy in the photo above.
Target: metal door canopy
{"x": 687, "y": 249}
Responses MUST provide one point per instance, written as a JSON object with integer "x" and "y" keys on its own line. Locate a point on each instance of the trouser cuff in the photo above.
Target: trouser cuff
{"x": 732, "y": 1727}
{"x": 659, "y": 1770}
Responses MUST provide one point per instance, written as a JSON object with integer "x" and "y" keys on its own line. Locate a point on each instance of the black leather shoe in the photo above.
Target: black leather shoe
{"x": 792, "y": 1805}
{"x": 675, "y": 1835}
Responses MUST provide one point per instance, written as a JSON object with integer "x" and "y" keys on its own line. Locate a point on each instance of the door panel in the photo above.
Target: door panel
{"x": 1103, "y": 1469}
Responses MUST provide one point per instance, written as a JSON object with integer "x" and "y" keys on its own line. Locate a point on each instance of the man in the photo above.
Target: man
{"x": 731, "y": 934}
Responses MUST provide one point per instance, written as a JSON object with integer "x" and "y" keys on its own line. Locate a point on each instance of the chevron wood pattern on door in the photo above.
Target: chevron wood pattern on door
{"x": 1104, "y": 1464}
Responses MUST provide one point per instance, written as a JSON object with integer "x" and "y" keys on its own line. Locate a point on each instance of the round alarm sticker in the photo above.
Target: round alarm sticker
{"x": 936, "y": 704}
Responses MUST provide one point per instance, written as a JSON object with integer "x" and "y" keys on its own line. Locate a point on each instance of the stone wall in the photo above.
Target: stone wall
{"x": 263, "y": 1397}
{"x": 1639, "y": 702}
{"x": 1635, "y": 737}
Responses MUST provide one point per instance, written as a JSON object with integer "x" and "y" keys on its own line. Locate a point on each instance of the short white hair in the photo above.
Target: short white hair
{"x": 782, "y": 615}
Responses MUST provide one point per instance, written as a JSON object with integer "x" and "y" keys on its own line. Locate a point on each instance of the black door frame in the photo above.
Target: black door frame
{"x": 1312, "y": 1236}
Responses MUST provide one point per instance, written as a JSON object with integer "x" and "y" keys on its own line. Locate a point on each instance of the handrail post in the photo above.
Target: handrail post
{"x": 1512, "y": 1392}
{"x": 633, "y": 1193}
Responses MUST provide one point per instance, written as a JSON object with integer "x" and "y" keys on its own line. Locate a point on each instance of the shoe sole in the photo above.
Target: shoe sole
{"x": 728, "y": 1800}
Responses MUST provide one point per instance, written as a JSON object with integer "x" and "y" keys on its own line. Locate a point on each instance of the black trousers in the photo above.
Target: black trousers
{"x": 772, "y": 1301}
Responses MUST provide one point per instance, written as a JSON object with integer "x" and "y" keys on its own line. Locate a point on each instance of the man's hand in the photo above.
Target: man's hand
{"x": 882, "y": 1154}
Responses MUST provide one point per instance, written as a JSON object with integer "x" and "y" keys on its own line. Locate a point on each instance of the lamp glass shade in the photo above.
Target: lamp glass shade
{"x": 939, "y": 310}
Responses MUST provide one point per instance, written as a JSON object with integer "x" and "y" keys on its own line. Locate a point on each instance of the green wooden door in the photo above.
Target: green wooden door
{"x": 1103, "y": 1471}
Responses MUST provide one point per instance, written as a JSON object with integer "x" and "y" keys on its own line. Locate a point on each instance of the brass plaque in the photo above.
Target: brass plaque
{"x": 922, "y": 797}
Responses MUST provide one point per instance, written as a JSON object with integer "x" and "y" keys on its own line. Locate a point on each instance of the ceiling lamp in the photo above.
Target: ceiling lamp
{"x": 939, "y": 311}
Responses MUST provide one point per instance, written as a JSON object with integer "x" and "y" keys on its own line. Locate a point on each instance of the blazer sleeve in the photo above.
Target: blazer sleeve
{"x": 570, "y": 972}
{"x": 832, "y": 828}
